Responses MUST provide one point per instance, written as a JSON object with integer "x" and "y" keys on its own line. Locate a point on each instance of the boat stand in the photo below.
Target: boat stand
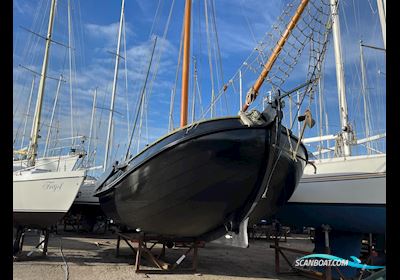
{"x": 19, "y": 242}
{"x": 143, "y": 249}
{"x": 279, "y": 250}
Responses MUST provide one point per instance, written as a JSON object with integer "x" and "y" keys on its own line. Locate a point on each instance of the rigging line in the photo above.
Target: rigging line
{"x": 199, "y": 94}
{"x": 299, "y": 107}
{"x": 209, "y": 58}
{"x": 191, "y": 70}
{"x": 141, "y": 98}
{"x": 70, "y": 71}
{"x": 380, "y": 97}
{"x": 321, "y": 99}
{"x": 81, "y": 34}
{"x": 27, "y": 112}
{"x": 213, "y": 46}
{"x": 216, "y": 99}
{"x": 364, "y": 93}
{"x": 76, "y": 63}
{"x": 370, "y": 5}
{"x": 248, "y": 22}
{"x": 34, "y": 23}
{"x": 126, "y": 79}
{"x": 162, "y": 48}
{"x": 378, "y": 105}
{"x": 156, "y": 18}
{"x": 16, "y": 108}
{"x": 17, "y": 133}
{"x": 140, "y": 122}
{"x": 199, "y": 24}
{"x": 55, "y": 104}
{"x": 96, "y": 139}
{"x": 101, "y": 111}
{"x": 345, "y": 18}
{"x": 147, "y": 128}
{"x": 356, "y": 19}
{"x": 316, "y": 109}
{"x": 32, "y": 39}
{"x": 171, "y": 119}
{"x": 173, "y": 92}
{"x": 218, "y": 50}
{"x": 194, "y": 88}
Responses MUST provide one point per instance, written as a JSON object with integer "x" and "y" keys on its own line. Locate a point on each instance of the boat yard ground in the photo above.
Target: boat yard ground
{"x": 93, "y": 257}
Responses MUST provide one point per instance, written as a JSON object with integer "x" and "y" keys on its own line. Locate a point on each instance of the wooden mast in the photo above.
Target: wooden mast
{"x": 253, "y": 92}
{"x": 38, "y": 110}
{"x": 185, "y": 63}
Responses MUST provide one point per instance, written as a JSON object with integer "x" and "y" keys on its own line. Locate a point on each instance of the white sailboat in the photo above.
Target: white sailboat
{"x": 53, "y": 163}
{"x": 345, "y": 194}
{"x": 43, "y": 189}
{"x": 348, "y": 191}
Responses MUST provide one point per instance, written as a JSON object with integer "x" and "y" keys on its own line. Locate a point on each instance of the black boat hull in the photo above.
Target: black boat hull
{"x": 37, "y": 220}
{"x": 200, "y": 182}
{"x": 286, "y": 178}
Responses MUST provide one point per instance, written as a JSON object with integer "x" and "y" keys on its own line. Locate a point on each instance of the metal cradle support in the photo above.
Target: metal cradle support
{"x": 142, "y": 248}
{"x": 279, "y": 251}
{"x": 19, "y": 242}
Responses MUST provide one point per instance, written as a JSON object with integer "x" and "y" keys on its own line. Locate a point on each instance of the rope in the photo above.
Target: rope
{"x": 141, "y": 99}
{"x": 312, "y": 30}
{"x": 126, "y": 79}
{"x": 66, "y": 267}
{"x": 173, "y": 92}
{"x": 209, "y": 58}
{"x": 218, "y": 52}
{"x": 158, "y": 59}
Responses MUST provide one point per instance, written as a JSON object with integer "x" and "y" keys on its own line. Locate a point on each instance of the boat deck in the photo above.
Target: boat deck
{"x": 94, "y": 257}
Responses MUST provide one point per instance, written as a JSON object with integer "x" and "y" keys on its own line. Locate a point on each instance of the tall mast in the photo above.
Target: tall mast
{"x": 117, "y": 56}
{"x": 185, "y": 63}
{"x": 38, "y": 109}
{"x": 340, "y": 78}
{"x": 70, "y": 70}
{"x": 382, "y": 18}
{"x": 253, "y": 92}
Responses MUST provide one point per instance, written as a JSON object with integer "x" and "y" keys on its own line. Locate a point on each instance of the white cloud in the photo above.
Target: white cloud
{"x": 107, "y": 33}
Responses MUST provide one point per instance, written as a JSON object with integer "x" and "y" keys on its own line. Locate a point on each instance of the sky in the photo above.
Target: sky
{"x": 235, "y": 27}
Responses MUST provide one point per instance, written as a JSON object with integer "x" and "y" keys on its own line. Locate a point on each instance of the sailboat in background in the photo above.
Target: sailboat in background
{"x": 346, "y": 192}
{"x": 44, "y": 190}
{"x": 343, "y": 184}
{"x": 204, "y": 179}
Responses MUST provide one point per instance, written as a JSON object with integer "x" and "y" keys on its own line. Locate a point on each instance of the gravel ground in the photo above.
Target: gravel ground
{"x": 92, "y": 257}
